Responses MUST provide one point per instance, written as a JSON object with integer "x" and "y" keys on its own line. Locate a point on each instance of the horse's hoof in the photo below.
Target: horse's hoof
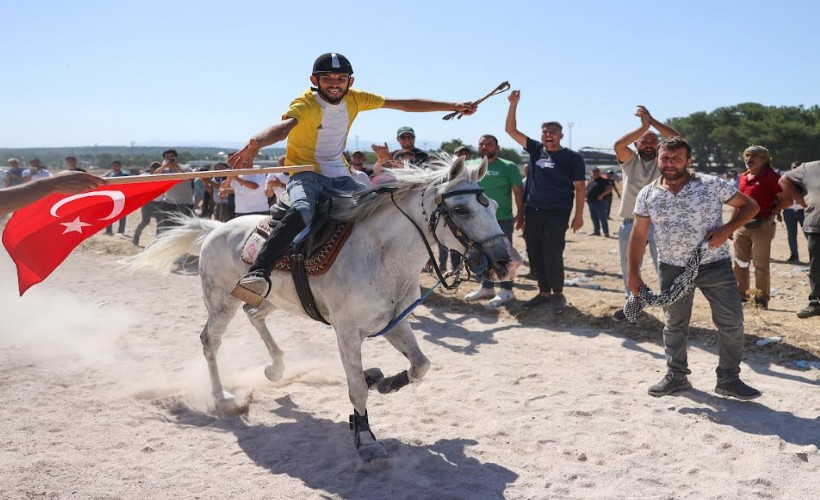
{"x": 372, "y": 451}
{"x": 227, "y": 406}
{"x": 373, "y": 376}
{"x": 393, "y": 384}
{"x": 274, "y": 372}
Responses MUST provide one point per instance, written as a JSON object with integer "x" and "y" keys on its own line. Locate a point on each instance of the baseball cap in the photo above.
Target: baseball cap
{"x": 462, "y": 148}
{"x": 757, "y": 150}
{"x": 405, "y": 130}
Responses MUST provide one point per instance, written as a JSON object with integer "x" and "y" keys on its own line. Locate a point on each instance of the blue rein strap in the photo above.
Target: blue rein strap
{"x": 395, "y": 321}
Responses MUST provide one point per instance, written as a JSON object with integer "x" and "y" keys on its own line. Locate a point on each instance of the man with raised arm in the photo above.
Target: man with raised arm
{"x": 556, "y": 179}
{"x": 316, "y": 126}
{"x": 639, "y": 168}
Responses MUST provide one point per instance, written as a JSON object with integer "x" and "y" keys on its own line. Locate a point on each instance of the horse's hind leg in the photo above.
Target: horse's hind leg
{"x": 211, "y": 337}
{"x": 257, "y": 316}
{"x": 401, "y": 337}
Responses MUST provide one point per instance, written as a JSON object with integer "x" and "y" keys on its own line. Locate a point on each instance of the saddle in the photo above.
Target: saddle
{"x": 318, "y": 248}
{"x": 312, "y": 253}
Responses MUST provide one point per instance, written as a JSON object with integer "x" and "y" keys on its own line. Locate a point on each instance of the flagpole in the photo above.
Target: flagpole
{"x": 130, "y": 179}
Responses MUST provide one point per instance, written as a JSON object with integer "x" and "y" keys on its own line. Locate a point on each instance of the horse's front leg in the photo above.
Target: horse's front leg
{"x": 350, "y": 350}
{"x": 401, "y": 337}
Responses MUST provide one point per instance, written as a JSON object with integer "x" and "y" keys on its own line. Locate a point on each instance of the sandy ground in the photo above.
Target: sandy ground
{"x": 106, "y": 396}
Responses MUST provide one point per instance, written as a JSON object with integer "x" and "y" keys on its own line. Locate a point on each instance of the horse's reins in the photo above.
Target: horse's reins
{"x": 461, "y": 236}
{"x": 503, "y": 87}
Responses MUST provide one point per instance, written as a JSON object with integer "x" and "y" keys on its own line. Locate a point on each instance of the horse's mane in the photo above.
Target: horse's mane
{"x": 401, "y": 181}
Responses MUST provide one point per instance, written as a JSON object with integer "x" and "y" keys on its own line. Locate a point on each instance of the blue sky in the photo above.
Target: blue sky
{"x": 101, "y": 72}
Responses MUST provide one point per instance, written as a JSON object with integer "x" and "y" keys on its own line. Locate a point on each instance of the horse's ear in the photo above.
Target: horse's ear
{"x": 481, "y": 170}
{"x": 457, "y": 168}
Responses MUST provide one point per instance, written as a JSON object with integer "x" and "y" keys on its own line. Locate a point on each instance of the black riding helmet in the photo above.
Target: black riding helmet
{"x": 332, "y": 62}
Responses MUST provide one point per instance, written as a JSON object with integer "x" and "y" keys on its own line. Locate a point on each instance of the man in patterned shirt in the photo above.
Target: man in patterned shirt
{"x": 687, "y": 208}
{"x": 316, "y": 126}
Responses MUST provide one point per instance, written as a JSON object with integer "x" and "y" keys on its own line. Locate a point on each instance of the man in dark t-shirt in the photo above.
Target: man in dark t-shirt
{"x": 598, "y": 188}
{"x": 555, "y": 180}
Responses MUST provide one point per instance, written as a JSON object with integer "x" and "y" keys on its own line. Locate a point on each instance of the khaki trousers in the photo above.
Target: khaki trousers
{"x": 754, "y": 246}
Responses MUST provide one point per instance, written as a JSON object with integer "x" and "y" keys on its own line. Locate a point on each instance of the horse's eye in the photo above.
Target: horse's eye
{"x": 461, "y": 210}
{"x": 482, "y": 198}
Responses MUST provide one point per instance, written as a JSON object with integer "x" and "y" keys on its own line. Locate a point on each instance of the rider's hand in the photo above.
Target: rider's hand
{"x": 466, "y": 108}
{"x": 244, "y": 157}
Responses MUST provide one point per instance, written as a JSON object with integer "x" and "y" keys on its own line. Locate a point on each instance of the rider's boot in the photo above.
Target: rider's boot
{"x": 255, "y": 286}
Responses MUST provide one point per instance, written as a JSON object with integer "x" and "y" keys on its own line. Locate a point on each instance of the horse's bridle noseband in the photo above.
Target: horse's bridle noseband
{"x": 442, "y": 211}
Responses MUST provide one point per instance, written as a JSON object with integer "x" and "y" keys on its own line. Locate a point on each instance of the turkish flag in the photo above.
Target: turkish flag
{"x": 39, "y": 236}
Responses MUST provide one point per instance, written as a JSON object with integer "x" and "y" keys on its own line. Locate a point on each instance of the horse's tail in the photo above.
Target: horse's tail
{"x": 184, "y": 238}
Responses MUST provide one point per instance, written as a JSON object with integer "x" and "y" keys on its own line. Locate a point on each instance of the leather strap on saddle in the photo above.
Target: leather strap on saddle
{"x": 300, "y": 281}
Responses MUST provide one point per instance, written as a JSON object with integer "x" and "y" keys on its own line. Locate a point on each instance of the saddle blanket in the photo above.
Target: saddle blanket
{"x": 316, "y": 264}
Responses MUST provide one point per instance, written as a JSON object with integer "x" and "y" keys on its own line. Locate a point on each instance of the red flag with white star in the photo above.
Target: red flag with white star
{"x": 39, "y": 237}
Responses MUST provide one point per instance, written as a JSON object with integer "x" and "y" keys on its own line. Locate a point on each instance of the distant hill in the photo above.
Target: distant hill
{"x": 131, "y": 157}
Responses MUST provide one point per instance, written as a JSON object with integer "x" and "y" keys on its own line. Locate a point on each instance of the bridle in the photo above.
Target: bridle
{"x": 442, "y": 211}
{"x": 473, "y": 255}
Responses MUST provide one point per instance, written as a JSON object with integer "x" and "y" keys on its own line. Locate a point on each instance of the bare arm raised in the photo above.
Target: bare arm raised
{"x": 511, "y": 125}
{"x": 622, "y": 150}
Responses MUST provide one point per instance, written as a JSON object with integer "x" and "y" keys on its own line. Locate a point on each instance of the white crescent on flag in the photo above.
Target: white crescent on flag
{"x": 116, "y": 197}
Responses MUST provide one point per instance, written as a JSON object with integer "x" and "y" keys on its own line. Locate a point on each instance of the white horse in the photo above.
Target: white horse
{"x": 374, "y": 279}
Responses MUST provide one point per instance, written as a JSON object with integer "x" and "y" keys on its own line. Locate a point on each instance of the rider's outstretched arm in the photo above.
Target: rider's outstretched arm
{"x": 424, "y": 105}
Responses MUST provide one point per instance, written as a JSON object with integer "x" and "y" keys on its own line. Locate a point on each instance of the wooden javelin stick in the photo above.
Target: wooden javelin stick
{"x": 130, "y": 179}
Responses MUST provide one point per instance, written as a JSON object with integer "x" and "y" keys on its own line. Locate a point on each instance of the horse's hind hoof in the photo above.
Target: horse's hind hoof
{"x": 372, "y": 451}
{"x": 373, "y": 376}
{"x": 274, "y": 372}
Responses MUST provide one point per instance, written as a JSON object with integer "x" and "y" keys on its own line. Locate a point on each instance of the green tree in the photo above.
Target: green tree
{"x": 453, "y": 144}
{"x": 510, "y": 154}
{"x": 719, "y": 137}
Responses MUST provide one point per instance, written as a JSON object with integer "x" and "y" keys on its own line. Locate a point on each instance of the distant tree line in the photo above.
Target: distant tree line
{"x": 132, "y": 158}
{"x": 718, "y": 138}
{"x": 505, "y": 153}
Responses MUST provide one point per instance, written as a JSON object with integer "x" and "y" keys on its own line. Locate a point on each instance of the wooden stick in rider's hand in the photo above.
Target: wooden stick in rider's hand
{"x": 208, "y": 173}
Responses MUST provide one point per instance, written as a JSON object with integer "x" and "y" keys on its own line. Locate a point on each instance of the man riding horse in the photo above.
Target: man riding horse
{"x": 316, "y": 126}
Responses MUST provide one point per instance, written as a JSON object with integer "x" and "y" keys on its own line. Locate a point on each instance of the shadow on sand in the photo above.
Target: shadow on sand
{"x": 320, "y": 453}
{"x": 754, "y": 418}
{"x": 444, "y": 327}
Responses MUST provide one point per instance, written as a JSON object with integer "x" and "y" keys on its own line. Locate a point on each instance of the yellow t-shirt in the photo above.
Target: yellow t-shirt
{"x": 320, "y": 136}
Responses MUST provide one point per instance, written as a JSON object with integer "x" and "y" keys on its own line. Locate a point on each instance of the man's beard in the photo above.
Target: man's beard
{"x": 330, "y": 100}
{"x": 647, "y": 155}
{"x": 673, "y": 176}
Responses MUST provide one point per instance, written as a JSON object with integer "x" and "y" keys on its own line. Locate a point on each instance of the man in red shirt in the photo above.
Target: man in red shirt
{"x": 753, "y": 241}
